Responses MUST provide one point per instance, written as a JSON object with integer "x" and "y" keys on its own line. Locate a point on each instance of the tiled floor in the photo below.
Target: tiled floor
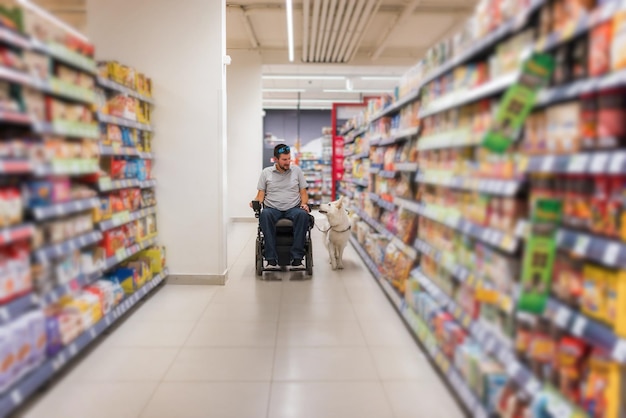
{"x": 331, "y": 347}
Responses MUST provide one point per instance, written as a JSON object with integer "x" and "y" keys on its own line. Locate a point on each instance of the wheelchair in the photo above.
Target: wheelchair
{"x": 284, "y": 241}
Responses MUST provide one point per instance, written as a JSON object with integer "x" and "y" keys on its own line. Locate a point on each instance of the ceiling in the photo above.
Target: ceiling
{"x": 347, "y": 39}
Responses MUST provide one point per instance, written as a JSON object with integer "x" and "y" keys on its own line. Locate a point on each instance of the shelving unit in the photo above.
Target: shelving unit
{"x": 55, "y": 253}
{"x": 467, "y": 280}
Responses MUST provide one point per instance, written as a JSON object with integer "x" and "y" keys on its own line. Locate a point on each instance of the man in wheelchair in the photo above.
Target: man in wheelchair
{"x": 282, "y": 191}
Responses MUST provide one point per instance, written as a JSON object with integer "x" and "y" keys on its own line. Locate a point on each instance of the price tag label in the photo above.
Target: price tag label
{"x": 611, "y": 253}
{"x": 513, "y": 368}
{"x": 92, "y": 333}
{"x": 562, "y": 317}
{"x": 581, "y": 245}
{"x": 16, "y": 397}
{"x": 577, "y": 163}
{"x": 106, "y": 183}
{"x": 617, "y": 162}
{"x": 120, "y": 254}
{"x": 579, "y": 326}
{"x": 619, "y": 352}
{"x": 547, "y": 163}
{"x": 557, "y": 407}
{"x": 599, "y": 163}
{"x": 73, "y": 349}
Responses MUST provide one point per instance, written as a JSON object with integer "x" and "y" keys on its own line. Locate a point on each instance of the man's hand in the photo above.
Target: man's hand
{"x": 306, "y": 207}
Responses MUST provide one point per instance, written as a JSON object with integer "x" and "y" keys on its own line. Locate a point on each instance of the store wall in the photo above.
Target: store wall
{"x": 182, "y": 50}
{"x": 245, "y": 130}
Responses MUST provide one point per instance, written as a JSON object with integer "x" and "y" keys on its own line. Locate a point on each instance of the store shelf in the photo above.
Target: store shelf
{"x": 16, "y": 233}
{"x": 125, "y": 217}
{"x": 505, "y": 302}
{"x": 406, "y": 249}
{"x": 68, "y": 129}
{"x": 123, "y": 122}
{"x": 395, "y": 107}
{"x": 13, "y": 38}
{"x": 592, "y": 331}
{"x": 125, "y": 253}
{"x": 67, "y": 90}
{"x": 385, "y": 204}
{"x": 66, "y": 55}
{"x": 18, "y": 118}
{"x": 495, "y": 345}
{"x": 453, "y": 378}
{"x": 112, "y": 85}
{"x": 147, "y": 184}
{"x": 456, "y": 99}
{"x": 346, "y": 131}
{"x": 361, "y": 155}
{"x": 69, "y": 288}
{"x": 458, "y": 138}
{"x": 394, "y": 138}
{"x": 483, "y": 45}
{"x": 420, "y": 330}
{"x": 109, "y": 150}
{"x": 504, "y": 241}
{"x": 15, "y": 308}
{"x": 488, "y": 186}
{"x": 345, "y": 192}
{"x": 592, "y": 162}
{"x": 105, "y": 184}
{"x": 583, "y": 25}
{"x": 71, "y": 167}
{"x": 599, "y": 249}
{"x": 406, "y": 167}
{"x": 387, "y": 174}
{"x": 573, "y": 90}
{"x": 360, "y": 182}
{"x": 54, "y": 251}
{"x": 355, "y": 134}
{"x": 15, "y": 76}
{"x": 15, "y": 166}
{"x": 67, "y": 208}
{"x": 28, "y": 385}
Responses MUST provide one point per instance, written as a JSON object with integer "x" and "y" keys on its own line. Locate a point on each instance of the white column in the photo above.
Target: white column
{"x": 245, "y": 131}
{"x": 181, "y": 46}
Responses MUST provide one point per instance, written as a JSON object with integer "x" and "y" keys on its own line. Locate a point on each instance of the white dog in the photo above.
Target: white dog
{"x": 337, "y": 233}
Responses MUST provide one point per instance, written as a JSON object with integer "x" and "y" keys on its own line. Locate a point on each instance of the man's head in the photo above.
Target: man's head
{"x": 282, "y": 153}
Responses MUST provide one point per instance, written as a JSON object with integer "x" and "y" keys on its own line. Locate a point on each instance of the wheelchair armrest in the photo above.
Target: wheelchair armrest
{"x": 256, "y": 206}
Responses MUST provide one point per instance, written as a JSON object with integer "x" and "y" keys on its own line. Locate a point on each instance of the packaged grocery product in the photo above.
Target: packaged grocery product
{"x": 600, "y": 49}
{"x": 593, "y": 301}
{"x": 618, "y": 46}
{"x": 595, "y": 386}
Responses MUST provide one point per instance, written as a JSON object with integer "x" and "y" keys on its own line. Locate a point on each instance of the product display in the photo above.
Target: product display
{"x": 72, "y": 259}
{"x": 514, "y": 245}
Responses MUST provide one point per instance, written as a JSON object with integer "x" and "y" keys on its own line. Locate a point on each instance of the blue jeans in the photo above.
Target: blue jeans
{"x": 300, "y": 219}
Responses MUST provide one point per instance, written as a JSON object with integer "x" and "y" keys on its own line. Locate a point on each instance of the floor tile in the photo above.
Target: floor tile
{"x": 208, "y": 400}
{"x": 329, "y": 400}
{"x": 402, "y": 363}
{"x": 326, "y": 311}
{"x": 421, "y": 399}
{"x": 302, "y": 364}
{"x": 320, "y": 334}
{"x": 386, "y": 333}
{"x": 233, "y": 334}
{"x": 222, "y": 364}
{"x": 120, "y": 364}
{"x": 151, "y": 334}
{"x": 240, "y": 312}
{"x": 94, "y": 400}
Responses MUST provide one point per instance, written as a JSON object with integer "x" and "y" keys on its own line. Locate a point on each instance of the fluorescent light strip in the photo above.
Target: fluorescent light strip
{"x": 309, "y": 101}
{"x": 284, "y": 90}
{"x": 279, "y": 107}
{"x": 358, "y": 91}
{"x": 290, "y": 28}
{"x": 302, "y": 77}
{"x": 381, "y": 78}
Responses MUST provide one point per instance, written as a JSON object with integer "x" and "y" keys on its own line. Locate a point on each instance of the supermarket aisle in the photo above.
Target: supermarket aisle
{"x": 329, "y": 347}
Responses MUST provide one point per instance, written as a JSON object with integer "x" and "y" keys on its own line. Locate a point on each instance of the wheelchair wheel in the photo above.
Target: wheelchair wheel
{"x": 259, "y": 258}
{"x": 309, "y": 258}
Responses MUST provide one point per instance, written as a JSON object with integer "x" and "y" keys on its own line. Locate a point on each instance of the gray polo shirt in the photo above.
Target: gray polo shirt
{"x": 282, "y": 190}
